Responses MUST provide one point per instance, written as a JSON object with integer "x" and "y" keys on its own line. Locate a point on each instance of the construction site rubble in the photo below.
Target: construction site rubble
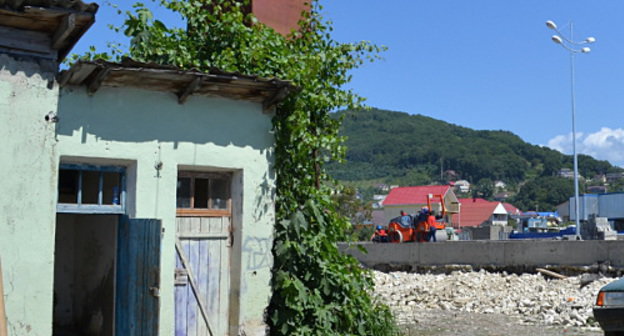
{"x": 533, "y": 298}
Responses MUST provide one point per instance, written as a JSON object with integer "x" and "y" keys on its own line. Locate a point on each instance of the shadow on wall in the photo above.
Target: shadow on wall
{"x": 136, "y": 115}
{"x": 29, "y": 66}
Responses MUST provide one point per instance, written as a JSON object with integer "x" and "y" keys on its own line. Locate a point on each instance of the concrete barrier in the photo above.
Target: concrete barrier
{"x": 525, "y": 253}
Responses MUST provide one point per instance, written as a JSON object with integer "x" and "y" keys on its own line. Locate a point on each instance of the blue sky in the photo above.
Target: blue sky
{"x": 483, "y": 64}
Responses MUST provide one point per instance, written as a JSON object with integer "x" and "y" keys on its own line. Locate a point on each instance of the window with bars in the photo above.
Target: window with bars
{"x": 91, "y": 189}
{"x": 203, "y": 194}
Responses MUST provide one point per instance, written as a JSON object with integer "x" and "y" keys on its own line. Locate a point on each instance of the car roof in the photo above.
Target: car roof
{"x": 615, "y": 286}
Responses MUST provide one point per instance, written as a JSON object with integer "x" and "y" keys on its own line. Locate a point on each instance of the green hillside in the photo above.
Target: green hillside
{"x": 399, "y": 148}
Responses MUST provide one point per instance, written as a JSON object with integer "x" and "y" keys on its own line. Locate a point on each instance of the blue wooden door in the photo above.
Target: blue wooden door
{"x": 138, "y": 277}
{"x": 202, "y": 276}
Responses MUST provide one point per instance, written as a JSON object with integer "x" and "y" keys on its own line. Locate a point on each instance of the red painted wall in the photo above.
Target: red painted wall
{"x": 281, "y": 15}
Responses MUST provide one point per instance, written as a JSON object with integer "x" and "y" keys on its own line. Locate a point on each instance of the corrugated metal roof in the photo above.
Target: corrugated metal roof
{"x": 183, "y": 83}
{"x": 414, "y": 195}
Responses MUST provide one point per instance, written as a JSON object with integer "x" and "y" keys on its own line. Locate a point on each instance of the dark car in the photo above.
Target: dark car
{"x": 609, "y": 308}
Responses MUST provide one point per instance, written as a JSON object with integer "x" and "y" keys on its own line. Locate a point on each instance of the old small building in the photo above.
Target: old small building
{"x": 137, "y": 199}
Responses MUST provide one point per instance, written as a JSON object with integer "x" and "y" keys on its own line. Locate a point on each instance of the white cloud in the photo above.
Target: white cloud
{"x": 606, "y": 144}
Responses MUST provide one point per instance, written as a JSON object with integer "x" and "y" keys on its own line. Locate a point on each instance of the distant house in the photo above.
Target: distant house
{"x": 450, "y": 175}
{"x": 462, "y": 186}
{"x": 501, "y": 196}
{"x": 476, "y": 212}
{"x": 597, "y": 189}
{"x": 500, "y": 185}
{"x": 566, "y": 173}
{"x": 412, "y": 199}
{"x": 382, "y": 187}
{"x": 377, "y": 201}
{"x": 511, "y": 209}
{"x": 600, "y": 178}
{"x": 613, "y": 177}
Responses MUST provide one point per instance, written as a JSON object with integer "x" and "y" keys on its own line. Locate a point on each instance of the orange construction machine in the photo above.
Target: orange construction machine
{"x": 404, "y": 228}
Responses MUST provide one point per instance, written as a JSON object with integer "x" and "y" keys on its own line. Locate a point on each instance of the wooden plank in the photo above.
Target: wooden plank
{"x": 77, "y": 74}
{"x": 550, "y": 273}
{"x": 104, "y": 209}
{"x": 193, "y": 286}
{"x": 222, "y": 270}
{"x": 205, "y": 225}
{"x": 3, "y": 320}
{"x": 193, "y": 307}
{"x": 202, "y": 283}
{"x": 181, "y": 302}
{"x": 202, "y": 213}
{"x": 67, "y": 26}
{"x": 137, "y": 301}
{"x": 25, "y": 40}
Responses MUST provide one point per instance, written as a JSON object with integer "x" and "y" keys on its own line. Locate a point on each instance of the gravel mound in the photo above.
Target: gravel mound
{"x": 533, "y": 299}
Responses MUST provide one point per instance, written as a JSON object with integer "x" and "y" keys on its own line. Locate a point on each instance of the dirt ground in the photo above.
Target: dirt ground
{"x": 446, "y": 323}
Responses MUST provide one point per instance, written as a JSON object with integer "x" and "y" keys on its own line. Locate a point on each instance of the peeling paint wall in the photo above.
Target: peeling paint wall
{"x": 27, "y": 192}
{"x": 139, "y": 129}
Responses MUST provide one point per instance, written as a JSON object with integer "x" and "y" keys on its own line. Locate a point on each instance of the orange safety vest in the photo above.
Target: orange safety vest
{"x": 431, "y": 222}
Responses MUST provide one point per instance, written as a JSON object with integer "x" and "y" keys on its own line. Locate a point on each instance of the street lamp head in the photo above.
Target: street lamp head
{"x": 590, "y": 39}
{"x": 550, "y": 24}
{"x": 585, "y": 50}
{"x": 557, "y": 39}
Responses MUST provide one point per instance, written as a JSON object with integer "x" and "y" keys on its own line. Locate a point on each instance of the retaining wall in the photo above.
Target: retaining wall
{"x": 526, "y": 253}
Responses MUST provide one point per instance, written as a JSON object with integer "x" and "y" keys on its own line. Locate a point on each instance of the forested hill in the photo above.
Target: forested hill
{"x": 399, "y": 148}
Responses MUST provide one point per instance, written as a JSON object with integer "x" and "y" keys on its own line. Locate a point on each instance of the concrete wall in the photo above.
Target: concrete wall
{"x": 139, "y": 128}
{"x": 27, "y": 192}
{"x": 492, "y": 253}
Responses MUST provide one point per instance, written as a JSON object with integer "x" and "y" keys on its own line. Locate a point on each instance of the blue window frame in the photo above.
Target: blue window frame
{"x": 91, "y": 189}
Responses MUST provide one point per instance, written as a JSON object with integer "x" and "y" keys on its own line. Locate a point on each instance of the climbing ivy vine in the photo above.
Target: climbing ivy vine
{"x": 316, "y": 289}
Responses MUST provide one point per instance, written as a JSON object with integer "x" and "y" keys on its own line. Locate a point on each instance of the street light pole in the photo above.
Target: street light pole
{"x": 570, "y": 45}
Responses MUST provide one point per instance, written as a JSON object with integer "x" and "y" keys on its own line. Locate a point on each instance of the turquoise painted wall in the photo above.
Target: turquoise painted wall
{"x": 27, "y": 192}
{"x": 140, "y": 128}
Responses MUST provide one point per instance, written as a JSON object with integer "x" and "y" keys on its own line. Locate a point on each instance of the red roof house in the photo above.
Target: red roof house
{"x": 480, "y": 212}
{"x": 414, "y": 195}
{"x": 511, "y": 209}
{"x": 412, "y": 199}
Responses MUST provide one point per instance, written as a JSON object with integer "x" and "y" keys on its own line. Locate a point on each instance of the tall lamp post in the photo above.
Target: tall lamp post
{"x": 573, "y": 48}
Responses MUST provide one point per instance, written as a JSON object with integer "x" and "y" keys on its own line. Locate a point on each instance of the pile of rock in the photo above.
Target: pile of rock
{"x": 531, "y": 297}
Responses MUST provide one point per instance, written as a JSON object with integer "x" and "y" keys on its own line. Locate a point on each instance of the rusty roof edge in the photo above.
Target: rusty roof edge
{"x": 128, "y": 64}
{"x": 281, "y": 87}
{"x": 213, "y": 71}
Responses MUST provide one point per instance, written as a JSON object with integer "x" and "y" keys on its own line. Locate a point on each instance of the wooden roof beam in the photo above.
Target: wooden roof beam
{"x": 190, "y": 88}
{"x": 271, "y": 101}
{"x": 67, "y": 26}
{"x": 95, "y": 84}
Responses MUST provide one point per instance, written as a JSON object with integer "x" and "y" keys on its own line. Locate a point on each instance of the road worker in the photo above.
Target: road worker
{"x": 380, "y": 235}
{"x": 431, "y": 220}
{"x": 406, "y": 220}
